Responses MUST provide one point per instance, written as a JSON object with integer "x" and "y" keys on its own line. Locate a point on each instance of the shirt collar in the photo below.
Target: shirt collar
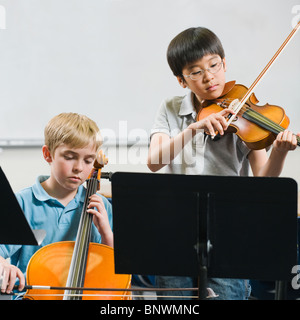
{"x": 187, "y": 106}
{"x": 41, "y": 195}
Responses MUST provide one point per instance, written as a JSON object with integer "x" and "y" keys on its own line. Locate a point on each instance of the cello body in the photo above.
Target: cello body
{"x": 50, "y": 266}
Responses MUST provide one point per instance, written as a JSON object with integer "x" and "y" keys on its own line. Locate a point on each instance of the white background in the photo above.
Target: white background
{"x": 107, "y": 59}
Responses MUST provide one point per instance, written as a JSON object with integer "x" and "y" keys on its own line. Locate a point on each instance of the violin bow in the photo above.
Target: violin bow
{"x": 237, "y": 105}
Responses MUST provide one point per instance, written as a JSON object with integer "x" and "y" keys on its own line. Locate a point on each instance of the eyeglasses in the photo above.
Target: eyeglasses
{"x": 196, "y": 75}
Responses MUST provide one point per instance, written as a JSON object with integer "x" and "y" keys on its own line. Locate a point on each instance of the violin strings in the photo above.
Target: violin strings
{"x": 258, "y": 118}
{"x": 273, "y": 126}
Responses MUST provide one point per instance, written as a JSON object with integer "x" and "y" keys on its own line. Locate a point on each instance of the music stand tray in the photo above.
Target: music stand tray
{"x": 246, "y": 225}
{"x": 14, "y": 228}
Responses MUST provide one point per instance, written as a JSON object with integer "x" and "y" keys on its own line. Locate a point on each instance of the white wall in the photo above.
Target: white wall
{"x": 22, "y": 166}
{"x": 107, "y": 59}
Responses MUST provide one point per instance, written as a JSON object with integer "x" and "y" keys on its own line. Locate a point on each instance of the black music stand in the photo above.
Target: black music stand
{"x": 14, "y": 228}
{"x": 205, "y": 226}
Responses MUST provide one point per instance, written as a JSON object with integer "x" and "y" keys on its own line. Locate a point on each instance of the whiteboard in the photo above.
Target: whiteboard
{"x": 107, "y": 59}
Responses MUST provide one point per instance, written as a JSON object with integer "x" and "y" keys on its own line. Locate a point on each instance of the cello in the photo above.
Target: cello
{"x": 77, "y": 264}
{"x": 256, "y": 125}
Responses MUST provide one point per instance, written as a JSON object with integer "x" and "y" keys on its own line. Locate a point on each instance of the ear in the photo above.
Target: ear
{"x": 224, "y": 65}
{"x": 47, "y": 154}
{"x": 182, "y": 82}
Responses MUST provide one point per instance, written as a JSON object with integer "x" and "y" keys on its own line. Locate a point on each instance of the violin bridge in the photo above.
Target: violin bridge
{"x": 234, "y": 105}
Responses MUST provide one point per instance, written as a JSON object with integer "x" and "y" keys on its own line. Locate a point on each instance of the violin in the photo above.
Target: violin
{"x": 256, "y": 125}
{"x": 74, "y": 265}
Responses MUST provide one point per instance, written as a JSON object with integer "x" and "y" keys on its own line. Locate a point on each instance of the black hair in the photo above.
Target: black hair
{"x": 191, "y": 45}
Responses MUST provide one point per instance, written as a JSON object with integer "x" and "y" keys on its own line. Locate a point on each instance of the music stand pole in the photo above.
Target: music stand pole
{"x": 280, "y": 290}
{"x": 204, "y": 245}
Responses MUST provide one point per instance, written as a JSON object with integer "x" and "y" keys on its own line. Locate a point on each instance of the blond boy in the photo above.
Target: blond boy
{"x": 54, "y": 202}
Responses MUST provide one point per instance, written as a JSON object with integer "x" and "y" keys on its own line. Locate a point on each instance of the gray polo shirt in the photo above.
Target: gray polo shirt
{"x": 201, "y": 155}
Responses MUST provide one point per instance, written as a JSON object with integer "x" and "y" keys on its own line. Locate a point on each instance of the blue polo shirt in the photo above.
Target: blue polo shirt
{"x": 45, "y": 212}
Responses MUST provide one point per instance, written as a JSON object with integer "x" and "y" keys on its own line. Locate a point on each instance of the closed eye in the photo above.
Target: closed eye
{"x": 88, "y": 161}
{"x": 196, "y": 72}
{"x": 68, "y": 158}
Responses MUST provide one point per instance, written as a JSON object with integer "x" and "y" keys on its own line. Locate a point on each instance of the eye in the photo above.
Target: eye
{"x": 215, "y": 66}
{"x": 68, "y": 157}
{"x": 88, "y": 161}
{"x": 196, "y": 73}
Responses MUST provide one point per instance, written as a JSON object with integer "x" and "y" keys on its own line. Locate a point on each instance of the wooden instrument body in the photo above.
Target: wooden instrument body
{"x": 254, "y": 135}
{"x": 50, "y": 266}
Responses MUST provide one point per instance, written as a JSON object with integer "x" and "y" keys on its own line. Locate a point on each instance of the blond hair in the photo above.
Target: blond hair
{"x": 75, "y": 130}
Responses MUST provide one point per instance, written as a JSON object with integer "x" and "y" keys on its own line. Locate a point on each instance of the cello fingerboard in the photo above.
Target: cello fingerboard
{"x": 79, "y": 258}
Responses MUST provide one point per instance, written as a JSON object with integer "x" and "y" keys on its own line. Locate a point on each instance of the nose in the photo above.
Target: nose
{"x": 78, "y": 166}
{"x": 207, "y": 76}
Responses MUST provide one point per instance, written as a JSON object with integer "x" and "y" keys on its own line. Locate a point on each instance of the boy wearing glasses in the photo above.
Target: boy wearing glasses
{"x": 182, "y": 144}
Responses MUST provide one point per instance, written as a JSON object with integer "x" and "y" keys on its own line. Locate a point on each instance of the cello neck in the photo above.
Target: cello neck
{"x": 77, "y": 269}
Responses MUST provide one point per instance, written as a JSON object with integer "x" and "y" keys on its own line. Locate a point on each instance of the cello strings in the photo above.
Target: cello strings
{"x": 81, "y": 245}
{"x": 74, "y": 271}
{"x": 87, "y": 232}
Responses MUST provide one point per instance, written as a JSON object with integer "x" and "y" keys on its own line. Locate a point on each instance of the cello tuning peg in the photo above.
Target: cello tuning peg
{"x": 101, "y": 160}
